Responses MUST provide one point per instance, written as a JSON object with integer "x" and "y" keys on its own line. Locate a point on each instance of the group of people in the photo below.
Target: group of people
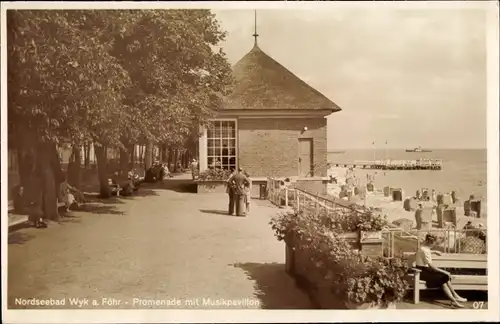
{"x": 125, "y": 188}
{"x": 71, "y": 197}
{"x": 239, "y": 188}
{"x": 157, "y": 172}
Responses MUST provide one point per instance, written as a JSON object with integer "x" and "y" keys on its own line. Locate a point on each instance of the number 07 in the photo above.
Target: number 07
{"x": 478, "y": 304}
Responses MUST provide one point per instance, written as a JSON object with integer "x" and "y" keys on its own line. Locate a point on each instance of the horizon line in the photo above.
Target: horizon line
{"x": 403, "y": 148}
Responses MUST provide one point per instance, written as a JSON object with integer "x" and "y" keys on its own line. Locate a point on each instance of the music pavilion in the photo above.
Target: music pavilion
{"x": 272, "y": 125}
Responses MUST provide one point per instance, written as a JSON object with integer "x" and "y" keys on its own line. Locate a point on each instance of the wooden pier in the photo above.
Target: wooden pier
{"x": 421, "y": 164}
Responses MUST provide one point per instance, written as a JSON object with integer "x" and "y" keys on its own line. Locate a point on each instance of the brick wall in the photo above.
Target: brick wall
{"x": 269, "y": 147}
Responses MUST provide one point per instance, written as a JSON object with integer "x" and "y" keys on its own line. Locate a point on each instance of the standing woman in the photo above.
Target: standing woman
{"x": 248, "y": 191}
{"x": 433, "y": 276}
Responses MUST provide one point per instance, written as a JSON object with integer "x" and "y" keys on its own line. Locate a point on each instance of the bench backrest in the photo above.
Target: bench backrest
{"x": 461, "y": 260}
{"x": 456, "y": 260}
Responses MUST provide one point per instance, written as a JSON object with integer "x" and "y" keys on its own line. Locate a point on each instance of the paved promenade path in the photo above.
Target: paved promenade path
{"x": 159, "y": 245}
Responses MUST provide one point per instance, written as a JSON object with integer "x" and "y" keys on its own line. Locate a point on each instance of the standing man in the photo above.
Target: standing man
{"x": 230, "y": 192}
{"x": 194, "y": 168}
{"x": 239, "y": 181}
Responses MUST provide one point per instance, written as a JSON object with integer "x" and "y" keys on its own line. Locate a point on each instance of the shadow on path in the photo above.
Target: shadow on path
{"x": 436, "y": 299}
{"x": 19, "y": 237}
{"x": 98, "y": 209}
{"x": 273, "y": 287}
{"x": 215, "y": 212}
{"x": 177, "y": 185}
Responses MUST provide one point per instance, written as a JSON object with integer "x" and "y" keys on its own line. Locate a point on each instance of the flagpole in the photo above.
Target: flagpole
{"x": 385, "y": 151}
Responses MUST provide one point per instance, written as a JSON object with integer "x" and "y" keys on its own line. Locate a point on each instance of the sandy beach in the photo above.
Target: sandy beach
{"x": 393, "y": 209}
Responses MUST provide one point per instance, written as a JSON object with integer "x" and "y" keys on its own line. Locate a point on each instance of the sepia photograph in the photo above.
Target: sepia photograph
{"x": 243, "y": 157}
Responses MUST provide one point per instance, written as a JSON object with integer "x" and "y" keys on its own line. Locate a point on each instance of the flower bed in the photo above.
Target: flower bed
{"x": 335, "y": 275}
{"x": 213, "y": 180}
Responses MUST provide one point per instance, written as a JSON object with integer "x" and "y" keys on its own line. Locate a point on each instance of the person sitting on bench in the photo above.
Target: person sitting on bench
{"x": 153, "y": 173}
{"x": 433, "y": 276}
{"x": 166, "y": 171}
{"x": 70, "y": 196}
{"x": 134, "y": 177}
{"x": 19, "y": 199}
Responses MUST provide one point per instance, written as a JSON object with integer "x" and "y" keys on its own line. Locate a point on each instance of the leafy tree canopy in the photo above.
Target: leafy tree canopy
{"x": 114, "y": 76}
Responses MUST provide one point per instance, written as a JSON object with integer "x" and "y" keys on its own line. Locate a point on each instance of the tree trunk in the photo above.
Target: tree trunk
{"x": 86, "y": 155}
{"x": 49, "y": 184}
{"x": 176, "y": 159}
{"x": 148, "y": 158}
{"x": 132, "y": 156}
{"x": 141, "y": 157}
{"x": 78, "y": 166}
{"x": 163, "y": 152}
{"x": 74, "y": 172}
{"x": 27, "y": 166}
{"x": 26, "y": 162}
{"x": 102, "y": 171}
{"x": 170, "y": 158}
{"x": 124, "y": 162}
{"x": 186, "y": 159}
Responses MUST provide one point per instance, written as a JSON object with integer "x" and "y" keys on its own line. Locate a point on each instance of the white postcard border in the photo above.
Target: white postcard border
{"x": 199, "y": 316}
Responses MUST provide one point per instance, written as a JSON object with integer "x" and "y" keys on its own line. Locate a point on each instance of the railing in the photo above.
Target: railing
{"x": 274, "y": 191}
{"x": 449, "y": 240}
{"x": 284, "y": 196}
{"x": 396, "y": 240}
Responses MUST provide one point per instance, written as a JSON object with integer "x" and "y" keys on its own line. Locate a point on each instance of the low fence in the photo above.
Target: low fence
{"x": 396, "y": 240}
{"x": 284, "y": 195}
{"x": 449, "y": 240}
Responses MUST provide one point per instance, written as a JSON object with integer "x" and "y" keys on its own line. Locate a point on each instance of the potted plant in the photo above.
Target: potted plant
{"x": 213, "y": 180}
{"x": 331, "y": 270}
{"x": 362, "y": 225}
{"x": 381, "y": 284}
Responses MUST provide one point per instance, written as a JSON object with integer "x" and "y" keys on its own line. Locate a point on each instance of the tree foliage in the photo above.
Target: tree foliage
{"x": 170, "y": 58}
{"x": 106, "y": 75}
{"x": 112, "y": 77}
{"x": 63, "y": 84}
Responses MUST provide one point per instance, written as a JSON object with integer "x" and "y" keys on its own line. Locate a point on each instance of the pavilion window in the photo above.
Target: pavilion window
{"x": 221, "y": 144}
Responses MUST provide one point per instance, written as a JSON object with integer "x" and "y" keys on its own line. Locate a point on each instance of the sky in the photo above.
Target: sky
{"x": 412, "y": 77}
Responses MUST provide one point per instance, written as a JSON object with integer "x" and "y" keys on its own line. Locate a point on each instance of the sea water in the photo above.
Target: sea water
{"x": 463, "y": 171}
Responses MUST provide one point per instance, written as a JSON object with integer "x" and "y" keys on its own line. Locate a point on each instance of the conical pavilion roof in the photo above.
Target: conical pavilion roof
{"x": 264, "y": 84}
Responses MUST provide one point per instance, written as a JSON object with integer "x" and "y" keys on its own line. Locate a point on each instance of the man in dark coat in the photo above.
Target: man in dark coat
{"x": 230, "y": 193}
{"x": 238, "y": 182}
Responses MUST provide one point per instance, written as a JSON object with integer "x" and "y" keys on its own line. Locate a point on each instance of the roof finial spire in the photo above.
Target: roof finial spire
{"x": 255, "y": 35}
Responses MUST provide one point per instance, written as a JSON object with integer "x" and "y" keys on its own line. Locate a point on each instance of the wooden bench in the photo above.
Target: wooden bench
{"x": 459, "y": 282}
{"x": 115, "y": 189}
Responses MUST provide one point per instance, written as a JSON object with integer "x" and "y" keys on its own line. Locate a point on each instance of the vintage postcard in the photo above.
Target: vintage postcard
{"x": 249, "y": 161}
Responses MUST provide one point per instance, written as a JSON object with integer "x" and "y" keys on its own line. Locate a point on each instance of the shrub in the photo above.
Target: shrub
{"x": 350, "y": 276}
{"x": 214, "y": 174}
{"x": 349, "y": 220}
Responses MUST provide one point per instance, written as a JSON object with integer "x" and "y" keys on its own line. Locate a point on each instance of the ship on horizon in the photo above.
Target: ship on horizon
{"x": 418, "y": 150}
